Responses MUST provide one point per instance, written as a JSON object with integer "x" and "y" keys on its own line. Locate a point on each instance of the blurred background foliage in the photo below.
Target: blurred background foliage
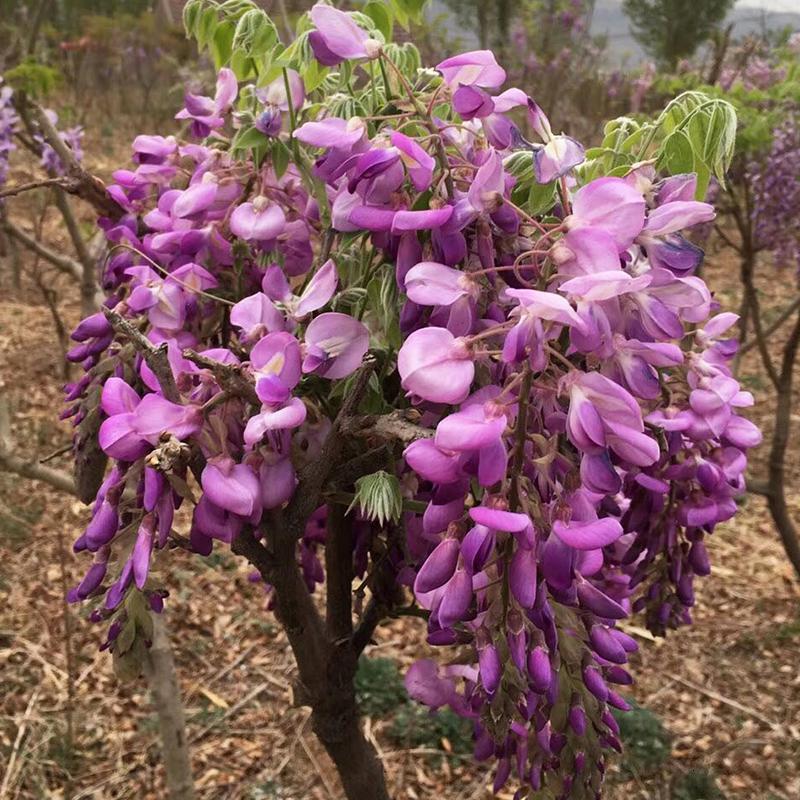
{"x": 128, "y": 60}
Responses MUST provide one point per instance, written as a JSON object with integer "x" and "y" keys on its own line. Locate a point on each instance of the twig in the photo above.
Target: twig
{"x": 9, "y": 462}
{"x": 770, "y": 329}
{"x": 230, "y": 377}
{"x": 314, "y": 476}
{"x": 155, "y": 357}
{"x": 86, "y": 186}
{"x": 64, "y": 263}
{"x": 69, "y": 660}
{"x": 318, "y": 769}
{"x": 234, "y": 709}
{"x": 56, "y": 453}
{"x": 159, "y": 669}
{"x": 396, "y": 426}
{"x": 6, "y": 785}
{"x": 222, "y": 673}
{"x": 31, "y": 185}
{"x": 720, "y": 698}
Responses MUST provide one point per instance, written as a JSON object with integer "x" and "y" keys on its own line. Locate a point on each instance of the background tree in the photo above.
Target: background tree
{"x": 670, "y": 30}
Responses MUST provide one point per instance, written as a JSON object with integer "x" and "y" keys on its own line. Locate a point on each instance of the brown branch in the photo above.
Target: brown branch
{"x": 398, "y": 426}
{"x": 162, "y": 678}
{"x": 339, "y": 570}
{"x": 37, "y": 472}
{"x": 64, "y": 182}
{"x": 313, "y": 477}
{"x": 755, "y": 486}
{"x": 83, "y": 184}
{"x": 155, "y": 357}
{"x": 90, "y": 301}
{"x": 326, "y": 668}
{"x": 10, "y": 462}
{"x": 772, "y": 327}
{"x": 751, "y": 296}
{"x": 66, "y": 264}
{"x": 776, "y": 499}
{"x": 231, "y": 378}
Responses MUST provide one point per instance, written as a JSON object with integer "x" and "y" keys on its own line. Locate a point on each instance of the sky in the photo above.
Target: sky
{"x": 771, "y": 5}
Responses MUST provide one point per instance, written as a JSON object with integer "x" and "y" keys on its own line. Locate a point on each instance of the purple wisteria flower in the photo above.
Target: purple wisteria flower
{"x": 546, "y": 393}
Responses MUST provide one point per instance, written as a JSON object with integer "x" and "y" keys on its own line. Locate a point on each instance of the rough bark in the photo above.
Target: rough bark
{"x": 159, "y": 669}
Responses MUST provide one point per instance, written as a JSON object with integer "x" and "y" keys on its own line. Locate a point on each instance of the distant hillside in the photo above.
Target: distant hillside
{"x": 609, "y": 19}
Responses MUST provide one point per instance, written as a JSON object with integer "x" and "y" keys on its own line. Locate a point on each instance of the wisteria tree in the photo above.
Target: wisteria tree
{"x": 383, "y": 333}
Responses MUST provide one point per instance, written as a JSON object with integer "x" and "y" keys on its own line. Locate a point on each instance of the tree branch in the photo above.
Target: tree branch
{"x": 314, "y": 476}
{"x": 779, "y": 508}
{"x": 66, "y": 264}
{"x": 755, "y": 486}
{"x": 230, "y": 377}
{"x": 155, "y": 357}
{"x": 339, "y": 570}
{"x": 84, "y": 184}
{"x": 774, "y": 326}
{"x": 64, "y": 182}
{"x": 398, "y": 426}
{"x": 9, "y": 462}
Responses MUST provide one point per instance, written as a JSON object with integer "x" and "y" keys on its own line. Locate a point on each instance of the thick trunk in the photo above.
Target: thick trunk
{"x": 326, "y": 660}
{"x": 159, "y": 669}
{"x": 355, "y": 758}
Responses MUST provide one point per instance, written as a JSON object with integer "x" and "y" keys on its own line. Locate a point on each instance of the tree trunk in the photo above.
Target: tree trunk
{"x": 326, "y": 662}
{"x": 776, "y": 498}
{"x": 159, "y": 669}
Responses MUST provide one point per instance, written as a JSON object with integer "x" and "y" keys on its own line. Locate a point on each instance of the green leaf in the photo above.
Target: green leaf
{"x": 411, "y": 9}
{"x": 314, "y": 75}
{"x": 192, "y": 13}
{"x": 222, "y": 44}
{"x": 677, "y": 155}
{"x": 247, "y": 138}
{"x": 381, "y": 15}
{"x": 378, "y": 497}
{"x": 541, "y": 198}
{"x": 255, "y": 34}
{"x": 205, "y": 27}
{"x": 124, "y": 640}
{"x": 280, "y": 158}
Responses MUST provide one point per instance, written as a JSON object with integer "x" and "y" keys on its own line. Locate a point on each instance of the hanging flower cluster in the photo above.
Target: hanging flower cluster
{"x": 776, "y": 195}
{"x": 8, "y": 124}
{"x": 580, "y": 433}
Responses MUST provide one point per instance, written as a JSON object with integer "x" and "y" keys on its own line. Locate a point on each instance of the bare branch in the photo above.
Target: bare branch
{"x": 774, "y": 326}
{"x": 84, "y": 184}
{"x": 230, "y": 377}
{"x": 755, "y": 486}
{"x": 155, "y": 357}
{"x": 314, "y": 475}
{"x": 40, "y": 184}
{"x": 66, "y": 264}
{"x": 9, "y": 462}
{"x": 399, "y": 426}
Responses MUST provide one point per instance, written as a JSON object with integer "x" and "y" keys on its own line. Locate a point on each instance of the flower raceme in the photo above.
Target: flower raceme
{"x": 584, "y": 428}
